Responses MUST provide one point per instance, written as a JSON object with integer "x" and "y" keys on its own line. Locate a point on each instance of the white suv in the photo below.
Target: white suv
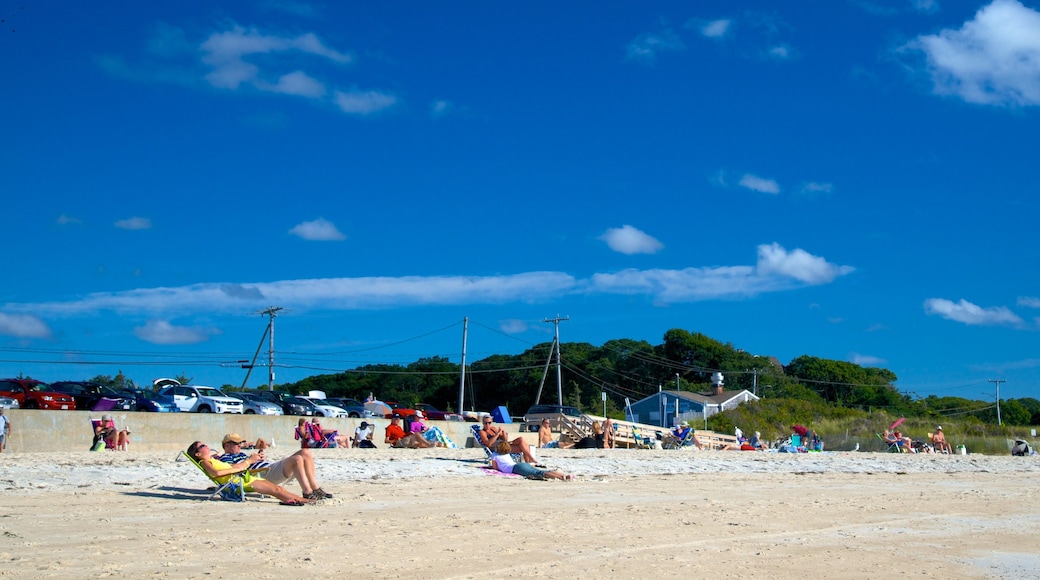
{"x": 199, "y": 399}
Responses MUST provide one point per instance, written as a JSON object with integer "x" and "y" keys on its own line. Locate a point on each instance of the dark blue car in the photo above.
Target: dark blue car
{"x": 151, "y": 402}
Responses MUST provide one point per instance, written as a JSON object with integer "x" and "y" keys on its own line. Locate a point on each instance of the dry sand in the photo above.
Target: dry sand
{"x": 434, "y": 514}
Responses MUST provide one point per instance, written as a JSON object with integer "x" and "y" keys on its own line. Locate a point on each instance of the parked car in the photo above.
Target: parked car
{"x": 534, "y": 415}
{"x": 33, "y": 394}
{"x": 285, "y": 400}
{"x": 8, "y": 403}
{"x": 256, "y": 405}
{"x": 400, "y": 409}
{"x": 89, "y": 395}
{"x": 200, "y": 399}
{"x": 353, "y": 407}
{"x": 434, "y": 414}
{"x": 323, "y": 410}
{"x": 151, "y": 402}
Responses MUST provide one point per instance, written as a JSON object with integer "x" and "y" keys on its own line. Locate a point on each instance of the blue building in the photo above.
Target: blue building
{"x": 669, "y": 408}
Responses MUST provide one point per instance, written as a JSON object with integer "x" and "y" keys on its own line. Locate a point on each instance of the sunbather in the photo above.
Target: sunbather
{"x": 363, "y": 436}
{"x": 491, "y": 435}
{"x": 905, "y": 442}
{"x": 939, "y": 441}
{"x": 396, "y": 437}
{"x": 504, "y": 462}
{"x": 299, "y": 465}
{"x": 105, "y": 430}
{"x": 223, "y": 472}
{"x": 329, "y": 434}
{"x": 546, "y": 439}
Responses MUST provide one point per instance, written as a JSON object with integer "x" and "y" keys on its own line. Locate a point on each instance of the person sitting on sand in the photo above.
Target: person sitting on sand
{"x": 607, "y": 438}
{"x": 503, "y": 461}
{"x": 396, "y": 437}
{"x": 756, "y": 441}
{"x": 678, "y": 435}
{"x": 363, "y": 436}
{"x": 223, "y": 472}
{"x": 546, "y": 440}
{"x": 105, "y": 430}
{"x": 491, "y": 435}
{"x": 299, "y": 465}
{"x": 939, "y": 441}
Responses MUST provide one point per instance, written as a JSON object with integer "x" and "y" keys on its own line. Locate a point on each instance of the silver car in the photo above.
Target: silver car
{"x": 254, "y": 405}
{"x": 8, "y": 403}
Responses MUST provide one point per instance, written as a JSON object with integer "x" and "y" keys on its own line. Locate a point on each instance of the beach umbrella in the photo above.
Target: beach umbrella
{"x": 379, "y": 408}
{"x": 800, "y": 430}
{"x": 898, "y": 422}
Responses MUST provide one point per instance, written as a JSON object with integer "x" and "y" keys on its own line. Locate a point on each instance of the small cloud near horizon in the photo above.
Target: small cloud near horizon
{"x": 319, "y": 230}
{"x": 866, "y": 360}
{"x": 629, "y": 240}
{"x": 23, "y": 326}
{"x": 134, "y": 223}
{"x": 971, "y": 314}
{"x": 755, "y": 183}
{"x": 513, "y": 326}
{"x": 162, "y": 332}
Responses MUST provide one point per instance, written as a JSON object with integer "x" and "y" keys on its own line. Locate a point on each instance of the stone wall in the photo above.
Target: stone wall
{"x": 63, "y": 431}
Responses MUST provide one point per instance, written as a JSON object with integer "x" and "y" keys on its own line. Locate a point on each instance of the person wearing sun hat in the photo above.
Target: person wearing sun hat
{"x": 939, "y": 441}
{"x": 299, "y": 465}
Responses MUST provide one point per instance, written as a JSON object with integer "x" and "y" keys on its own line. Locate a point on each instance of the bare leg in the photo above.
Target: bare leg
{"x": 301, "y": 466}
{"x": 520, "y": 445}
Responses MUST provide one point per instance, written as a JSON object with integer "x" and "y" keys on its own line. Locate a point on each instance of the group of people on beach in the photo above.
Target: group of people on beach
{"x": 937, "y": 444}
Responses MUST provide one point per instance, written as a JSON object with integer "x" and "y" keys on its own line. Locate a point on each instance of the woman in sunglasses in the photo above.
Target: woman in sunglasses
{"x": 222, "y": 472}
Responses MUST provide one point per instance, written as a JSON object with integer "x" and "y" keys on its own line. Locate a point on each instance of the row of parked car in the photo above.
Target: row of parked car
{"x": 169, "y": 396}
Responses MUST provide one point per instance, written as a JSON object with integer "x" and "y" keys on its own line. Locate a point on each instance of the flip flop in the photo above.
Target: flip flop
{"x": 293, "y": 503}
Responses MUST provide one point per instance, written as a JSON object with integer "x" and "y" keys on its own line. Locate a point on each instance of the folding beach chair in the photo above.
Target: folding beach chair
{"x": 476, "y": 441}
{"x": 233, "y": 489}
{"x": 642, "y": 441}
{"x": 109, "y": 444}
{"x": 893, "y": 446}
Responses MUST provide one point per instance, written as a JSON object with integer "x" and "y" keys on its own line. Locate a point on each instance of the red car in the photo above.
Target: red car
{"x": 434, "y": 414}
{"x": 33, "y": 394}
{"x": 399, "y": 409}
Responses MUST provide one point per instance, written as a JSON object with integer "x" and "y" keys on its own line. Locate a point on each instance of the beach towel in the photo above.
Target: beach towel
{"x": 491, "y": 471}
{"x": 435, "y": 435}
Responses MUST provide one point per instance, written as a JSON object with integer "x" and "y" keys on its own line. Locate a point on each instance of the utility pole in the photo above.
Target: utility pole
{"x": 462, "y": 374}
{"x": 559, "y": 376}
{"x": 997, "y": 382}
{"x": 270, "y": 312}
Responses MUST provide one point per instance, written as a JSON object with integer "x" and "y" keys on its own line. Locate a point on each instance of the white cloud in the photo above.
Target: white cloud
{"x": 440, "y": 108}
{"x": 814, "y": 187}
{"x": 716, "y": 28}
{"x": 925, "y": 6}
{"x": 513, "y": 326}
{"x": 993, "y": 59}
{"x": 226, "y": 51}
{"x": 358, "y": 102}
{"x": 300, "y": 84}
{"x": 23, "y": 326}
{"x": 777, "y": 270}
{"x": 646, "y": 47}
{"x": 629, "y": 240}
{"x": 759, "y": 184}
{"x": 319, "y": 230}
{"x": 134, "y": 223}
{"x": 797, "y": 264}
{"x": 162, "y": 332}
{"x": 971, "y": 314}
{"x": 1029, "y": 301}
{"x": 64, "y": 219}
{"x": 780, "y": 51}
{"x": 866, "y": 360}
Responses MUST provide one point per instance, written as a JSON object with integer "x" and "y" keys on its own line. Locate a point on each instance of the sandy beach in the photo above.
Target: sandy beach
{"x": 435, "y": 514}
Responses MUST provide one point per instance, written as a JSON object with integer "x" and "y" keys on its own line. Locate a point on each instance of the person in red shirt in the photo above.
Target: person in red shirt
{"x": 396, "y": 437}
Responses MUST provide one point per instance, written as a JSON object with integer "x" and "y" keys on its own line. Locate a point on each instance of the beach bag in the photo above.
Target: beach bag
{"x": 232, "y": 492}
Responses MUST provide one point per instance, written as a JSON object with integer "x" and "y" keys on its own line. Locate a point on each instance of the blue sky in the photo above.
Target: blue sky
{"x": 849, "y": 180}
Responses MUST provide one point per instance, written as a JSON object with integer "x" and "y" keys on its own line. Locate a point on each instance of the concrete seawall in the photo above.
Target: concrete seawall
{"x": 62, "y": 431}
